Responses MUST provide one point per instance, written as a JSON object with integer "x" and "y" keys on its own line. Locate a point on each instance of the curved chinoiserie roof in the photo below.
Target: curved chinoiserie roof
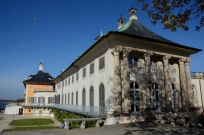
{"x": 133, "y": 27}
{"x": 40, "y": 77}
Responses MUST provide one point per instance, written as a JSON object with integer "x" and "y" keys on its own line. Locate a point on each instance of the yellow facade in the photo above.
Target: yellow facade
{"x": 30, "y": 88}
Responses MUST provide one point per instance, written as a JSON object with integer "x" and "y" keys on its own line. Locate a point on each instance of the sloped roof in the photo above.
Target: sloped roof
{"x": 40, "y": 77}
{"x": 133, "y": 27}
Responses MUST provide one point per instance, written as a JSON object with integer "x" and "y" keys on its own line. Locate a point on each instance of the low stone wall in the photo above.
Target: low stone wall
{"x": 124, "y": 119}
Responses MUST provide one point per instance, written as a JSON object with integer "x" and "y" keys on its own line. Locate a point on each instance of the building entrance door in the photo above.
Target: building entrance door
{"x": 41, "y": 101}
{"x": 135, "y": 98}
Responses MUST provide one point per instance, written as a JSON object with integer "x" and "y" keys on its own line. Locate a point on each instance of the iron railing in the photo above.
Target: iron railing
{"x": 91, "y": 111}
{"x": 193, "y": 74}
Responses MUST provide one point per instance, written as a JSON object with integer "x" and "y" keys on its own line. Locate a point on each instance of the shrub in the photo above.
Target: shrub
{"x": 60, "y": 115}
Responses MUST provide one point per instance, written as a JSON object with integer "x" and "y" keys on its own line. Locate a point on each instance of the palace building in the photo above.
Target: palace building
{"x": 125, "y": 72}
{"x": 39, "y": 93}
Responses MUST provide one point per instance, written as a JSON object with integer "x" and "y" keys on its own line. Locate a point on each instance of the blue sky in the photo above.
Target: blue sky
{"x": 62, "y": 30}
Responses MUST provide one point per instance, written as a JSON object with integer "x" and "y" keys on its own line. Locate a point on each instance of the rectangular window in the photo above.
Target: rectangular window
{"x": 51, "y": 100}
{"x": 31, "y": 100}
{"x": 132, "y": 61}
{"x": 102, "y": 63}
{"x": 92, "y": 68}
{"x": 84, "y": 72}
{"x": 66, "y": 82}
{"x": 72, "y": 78}
{"x": 62, "y": 83}
{"x": 77, "y": 98}
{"x": 77, "y": 76}
{"x": 72, "y": 98}
{"x": 69, "y": 81}
{"x": 41, "y": 100}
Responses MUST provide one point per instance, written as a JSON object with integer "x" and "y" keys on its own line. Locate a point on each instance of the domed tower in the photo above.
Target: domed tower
{"x": 121, "y": 22}
{"x": 41, "y": 66}
{"x": 132, "y": 13}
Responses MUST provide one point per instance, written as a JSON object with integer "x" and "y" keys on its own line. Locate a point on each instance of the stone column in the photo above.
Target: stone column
{"x": 184, "y": 93}
{"x": 117, "y": 79}
{"x": 126, "y": 81}
{"x": 167, "y": 84}
{"x": 188, "y": 82}
{"x": 147, "y": 76}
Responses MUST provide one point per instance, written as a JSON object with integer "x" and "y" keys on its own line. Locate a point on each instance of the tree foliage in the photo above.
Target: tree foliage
{"x": 175, "y": 13}
{"x": 20, "y": 100}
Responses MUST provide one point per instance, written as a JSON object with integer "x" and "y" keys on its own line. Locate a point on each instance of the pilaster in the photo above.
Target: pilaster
{"x": 184, "y": 93}
{"x": 147, "y": 56}
{"x": 126, "y": 81}
{"x": 167, "y": 83}
{"x": 117, "y": 91}
{"x": 188, "y": 82}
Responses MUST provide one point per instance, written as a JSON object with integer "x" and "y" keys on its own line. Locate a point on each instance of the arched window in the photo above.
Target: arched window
{"x": 72, "y": 98}
{"x": 135, "y": 97}
{"x": 68, "y": 98}
{"x": 91, "y": 96}
{"x": 101, "y": 98}
{"x": 83, "y": 96}
{"x": 77, "y": 98}
{"x": 91, "y": 104}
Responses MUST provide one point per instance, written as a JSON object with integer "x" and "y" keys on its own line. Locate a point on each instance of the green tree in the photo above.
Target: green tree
{"x": 175, "y": 14}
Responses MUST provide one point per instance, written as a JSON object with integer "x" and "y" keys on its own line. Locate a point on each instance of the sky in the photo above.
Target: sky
{"x": 62, "y": 30}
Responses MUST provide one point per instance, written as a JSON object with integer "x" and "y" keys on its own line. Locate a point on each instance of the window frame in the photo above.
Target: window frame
{"x": 100, "y": 60}
{"x": 92, "y": 68}
{"x": 84, "y": 72}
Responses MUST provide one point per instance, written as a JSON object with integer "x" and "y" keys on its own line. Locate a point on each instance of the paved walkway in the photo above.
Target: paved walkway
{"x": 126, "y": 129}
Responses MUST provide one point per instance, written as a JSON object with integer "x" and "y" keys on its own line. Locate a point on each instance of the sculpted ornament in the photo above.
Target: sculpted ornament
{"x": 166, "y": 58}
{"x": 126, "y": 51}
{"x": 182, "y": 60}
{"x": 148, "y": 54}
{"x": 188, "y": 60}
{"x": 116, "y": 49}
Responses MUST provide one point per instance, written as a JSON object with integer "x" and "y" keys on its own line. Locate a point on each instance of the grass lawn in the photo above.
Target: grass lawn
{"x": 31, "y": 128}
{"x": 28, "y": 122}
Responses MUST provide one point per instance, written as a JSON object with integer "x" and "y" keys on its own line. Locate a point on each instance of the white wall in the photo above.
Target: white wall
{"x": 104, "y": 76}
{"x": 44, "y": 94}
{"x": 199, "y": 84}
{"x": 12, "y": 110}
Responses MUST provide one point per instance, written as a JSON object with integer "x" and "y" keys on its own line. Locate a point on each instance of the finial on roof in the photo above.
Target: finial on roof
{"x": 41, "y": 65}
{"x": 120, "y": 22}
{"x": 132, "y": 13}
